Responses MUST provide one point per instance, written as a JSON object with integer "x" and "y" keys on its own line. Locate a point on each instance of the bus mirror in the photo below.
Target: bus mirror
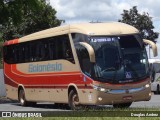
{"x": 153, "y": 45}
{"x": 90, "y": 51}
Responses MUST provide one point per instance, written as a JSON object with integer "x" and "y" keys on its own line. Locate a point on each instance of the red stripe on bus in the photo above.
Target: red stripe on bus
{"x": 10, "y": 82}
{"x": 13, "y": 84}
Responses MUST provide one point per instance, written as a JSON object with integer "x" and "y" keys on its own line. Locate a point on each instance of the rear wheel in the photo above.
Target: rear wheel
{"x": 122, "y": 105}
{"x": 74, "y": 100}
{"x": 157, "y": 92}
{"x": 22, "y": 99}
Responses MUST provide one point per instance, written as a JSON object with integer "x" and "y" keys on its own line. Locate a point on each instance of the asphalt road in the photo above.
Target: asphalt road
{"x": 15, "y": 106}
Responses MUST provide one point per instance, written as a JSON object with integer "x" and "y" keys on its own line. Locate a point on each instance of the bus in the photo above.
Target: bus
{"x": 79, "y": 64}
{"x": 155, "y": 75}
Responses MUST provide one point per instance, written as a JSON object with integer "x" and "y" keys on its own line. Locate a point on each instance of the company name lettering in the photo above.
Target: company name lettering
{"x": 45, "y": 68}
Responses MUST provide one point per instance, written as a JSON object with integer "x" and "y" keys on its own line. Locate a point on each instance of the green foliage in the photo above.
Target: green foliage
{"x": 143, "y": 22}
{"x": 25, "y": 17}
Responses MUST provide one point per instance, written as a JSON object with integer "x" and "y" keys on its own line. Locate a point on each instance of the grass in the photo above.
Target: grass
{"x": 119, "y": 111}
{"x": 86, "y": 118}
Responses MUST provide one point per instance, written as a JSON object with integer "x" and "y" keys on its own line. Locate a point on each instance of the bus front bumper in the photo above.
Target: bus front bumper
{"x": 95, "y": 97}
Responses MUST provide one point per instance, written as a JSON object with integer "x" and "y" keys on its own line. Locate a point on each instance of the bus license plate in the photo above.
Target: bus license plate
{"x": 127, "y": 98}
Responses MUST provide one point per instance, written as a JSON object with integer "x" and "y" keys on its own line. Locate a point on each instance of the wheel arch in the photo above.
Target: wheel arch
{"x": 72, "y": 87}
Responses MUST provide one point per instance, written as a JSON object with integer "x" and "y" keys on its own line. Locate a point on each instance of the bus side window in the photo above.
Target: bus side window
{"x": 21, "y": 53}
{"x": 16, "y": 54}
{"x": 32, "y": 52}
{"x": 84, "y": 60}
{"x": 27, "y": 52}
{"x": 8, "y": 54}
{"x": 59, "y": 48}
{"x": 45, "y": 51}
{"x": 52, "y": 49}
{"x": 39, "y": 51}
{"x": 68, "y": 51}
{"x": 5, "y": 53}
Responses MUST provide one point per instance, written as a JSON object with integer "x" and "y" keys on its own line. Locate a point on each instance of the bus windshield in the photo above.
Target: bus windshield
{"x": 119, "y": 59}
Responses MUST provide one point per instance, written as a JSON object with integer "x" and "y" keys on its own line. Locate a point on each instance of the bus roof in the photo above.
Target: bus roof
{"x": 110, "y": 28}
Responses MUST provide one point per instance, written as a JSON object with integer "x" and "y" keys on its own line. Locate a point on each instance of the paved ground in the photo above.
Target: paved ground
{"x": 8, "y": 105}
{"x": 153, "y": 103}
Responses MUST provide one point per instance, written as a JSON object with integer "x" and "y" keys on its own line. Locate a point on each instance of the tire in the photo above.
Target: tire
{"x": 73, "y": 100}
{"x": 157, "y": 91}
{"x": 21, "y": 98}
{"x": 122, "y": 105}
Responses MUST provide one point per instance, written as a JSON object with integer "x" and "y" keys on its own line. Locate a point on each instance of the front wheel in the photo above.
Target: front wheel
{"x": 73, "y": 100}
{"x": 122, "y": 105}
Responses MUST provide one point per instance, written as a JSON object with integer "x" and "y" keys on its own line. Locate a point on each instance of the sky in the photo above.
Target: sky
{"x": 77, "y": 11}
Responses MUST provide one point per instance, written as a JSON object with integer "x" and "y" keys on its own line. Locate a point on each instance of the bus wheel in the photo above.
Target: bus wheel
{"x": 157, "y": 92}
{"x": 74, "y": 100}
{"x": 122, "y": 105}
{"x": 21, "y": 97}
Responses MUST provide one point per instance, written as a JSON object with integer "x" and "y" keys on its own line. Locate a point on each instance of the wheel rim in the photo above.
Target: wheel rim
{"x": 22, "y": 97}
{"x": 75, "y": 100}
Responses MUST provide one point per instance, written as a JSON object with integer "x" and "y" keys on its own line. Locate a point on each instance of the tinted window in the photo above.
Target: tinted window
{"x": 52, "y": 48}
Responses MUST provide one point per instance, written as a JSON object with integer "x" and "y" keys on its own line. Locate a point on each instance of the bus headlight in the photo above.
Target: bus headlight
{"x": 147, "y": 86}
{"x": 100, "y": 88}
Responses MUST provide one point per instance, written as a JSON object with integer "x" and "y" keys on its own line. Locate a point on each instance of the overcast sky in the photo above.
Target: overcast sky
{"x": 76, "y": 11}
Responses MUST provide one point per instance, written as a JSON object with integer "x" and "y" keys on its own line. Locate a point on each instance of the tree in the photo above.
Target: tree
{"x": 143, "y": 22}
{"x": 24, "y": 17}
